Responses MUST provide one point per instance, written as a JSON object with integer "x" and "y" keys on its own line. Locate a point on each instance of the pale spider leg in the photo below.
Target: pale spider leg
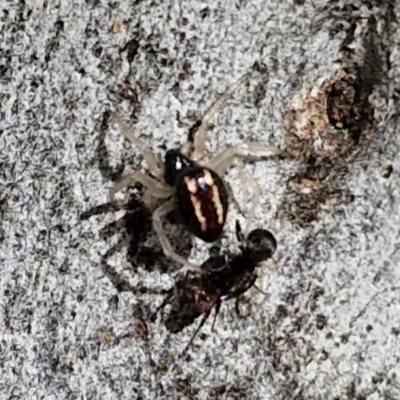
{"x": 154, "y": 187}
{"x": 158, "y": 217}
{"x": 200, "y": 136}
{"x": 233, "y": 197}
{"x": 222, "y": 161}
{"x": 249, "y": 183}
{"x": 151, "y": 159}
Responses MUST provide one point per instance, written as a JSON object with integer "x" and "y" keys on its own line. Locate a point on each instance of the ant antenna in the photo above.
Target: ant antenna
{"x": 239, "y": 233}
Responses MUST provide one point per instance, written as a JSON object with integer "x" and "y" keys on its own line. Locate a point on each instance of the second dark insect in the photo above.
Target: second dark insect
{"x": 221, "y": 278}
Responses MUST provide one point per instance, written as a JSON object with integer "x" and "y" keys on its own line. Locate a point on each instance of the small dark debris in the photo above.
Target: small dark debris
{"x": 127, "y": 93}
{"x": 259, "y": 93}
{"x": 324, "y": 355}
{"x": 281, "y": 311}
{"x": 141, "y": 329}
{"x": 260, "y": 67}
{"x": 217, "y": 391}
{"x": 113, "y": 303}
{"x": 105, "y": 120}
{"x": 344, "y": 338}
{"x": 378, "y": 379}
{"x": 205, "y": 12}
{"x": 387, "y": 171}
{"x": 59, "y": 25}
{"x": 184, "y": 387}
{"x": 131, "y": 48}
{"x": 98, "y": 51}
{"x": 395, "y": 331}
{"x": 321, "y": 322}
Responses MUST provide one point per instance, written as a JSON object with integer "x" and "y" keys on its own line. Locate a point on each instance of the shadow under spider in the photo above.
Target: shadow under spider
{"x": 137, "y": 235}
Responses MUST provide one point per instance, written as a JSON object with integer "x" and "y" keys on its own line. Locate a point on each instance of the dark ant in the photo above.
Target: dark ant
{"x": 220, "y": 278}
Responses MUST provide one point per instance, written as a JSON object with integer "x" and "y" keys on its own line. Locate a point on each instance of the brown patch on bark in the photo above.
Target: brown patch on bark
{"x": 325, "y": 128}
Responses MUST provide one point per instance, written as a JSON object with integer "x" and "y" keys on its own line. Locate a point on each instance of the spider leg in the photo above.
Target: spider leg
{"x": 149, "y": 156}
{"x": 112, "y": 206}
{"x": 261, "y": 291}
{"x": 222, "y": 161}
{"x": 200, "y": 136}
{"x": 154, "y": 187}
{"x": 233, "y": 198}
{"x": 255, "y": 199}
{"x": 202, "y": 322}
{"x": 102, "y": 209}
{"x": 239, "y": 292}
{"x": 158, "y": 216}
{"x": 249, "y": 183}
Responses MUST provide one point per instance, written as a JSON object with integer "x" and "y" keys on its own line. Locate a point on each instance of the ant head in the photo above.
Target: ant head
{"x": 260, "y": 245}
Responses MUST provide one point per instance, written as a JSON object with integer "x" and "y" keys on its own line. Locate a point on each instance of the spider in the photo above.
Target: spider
{"x": 185, "y": 185}
{"x": 220, "y": 278}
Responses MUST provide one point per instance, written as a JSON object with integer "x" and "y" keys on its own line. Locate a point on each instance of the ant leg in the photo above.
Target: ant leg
{"x": 158, "y": 217}
{"x": 202, "y": 322}
{"x": 217, "y": 308}
{"x": 162, "y": 305}
{"x": 154, "y": 187}
{"x": 246, "y": 285}
{"x": 118, "y": 280}
{"x": 237, "y": 309}
{"x": 200, "y": 136}
{"x": 149, "y": 156}
{"x": 222, "y": 161}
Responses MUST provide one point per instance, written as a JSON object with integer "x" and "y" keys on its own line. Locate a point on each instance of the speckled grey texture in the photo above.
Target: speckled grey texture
{"x": 65, "y": 330}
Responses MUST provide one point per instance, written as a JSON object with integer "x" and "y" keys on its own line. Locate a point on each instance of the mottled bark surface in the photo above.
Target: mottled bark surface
{"x": 75, "y": 294}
